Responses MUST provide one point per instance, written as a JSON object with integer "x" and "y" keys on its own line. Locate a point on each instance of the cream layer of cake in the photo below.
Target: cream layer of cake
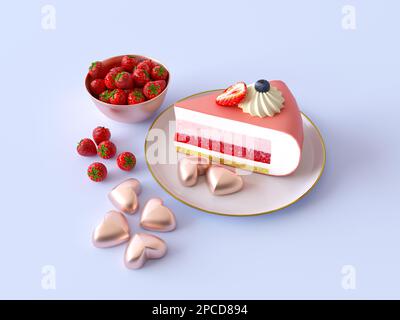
{"x": 195, "y": 129}
{"x": 279, "y": 138}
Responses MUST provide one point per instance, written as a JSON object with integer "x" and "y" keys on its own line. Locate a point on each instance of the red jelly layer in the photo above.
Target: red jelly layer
{"x": 225, "y": 148}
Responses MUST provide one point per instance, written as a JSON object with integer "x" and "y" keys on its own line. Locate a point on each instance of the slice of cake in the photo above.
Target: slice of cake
{"x": 256, "y": 127}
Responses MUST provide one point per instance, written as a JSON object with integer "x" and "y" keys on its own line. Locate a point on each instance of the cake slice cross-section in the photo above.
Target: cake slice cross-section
{"x": 263, "y": 133}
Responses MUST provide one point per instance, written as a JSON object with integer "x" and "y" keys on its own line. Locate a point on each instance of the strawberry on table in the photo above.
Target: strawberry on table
{"x": 129, "y": 62}
{"x": 105, "y": 96}
{"x": 136, "y": 96}
{"x": 106, "y": 149}
{"x": 140, "y": 77}
{"x": 109, "y": 80}
{"x": 233, "y": 95}
{"x": 97, "y": 86}
{"x": 101, "y": 134}
{"x": 159, "y": 73}
{"x": 126, "y": 161}
{"x": 123, "y": 80}
{"x": 118, "y": 96}
{"x": 86, "y": 148}
{"x": 97, "y": 172}
{"x": 153, "y": 88}
{"x": 97, "y": 70}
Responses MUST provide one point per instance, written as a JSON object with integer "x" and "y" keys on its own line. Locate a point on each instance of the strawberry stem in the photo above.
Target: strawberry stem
{"x": 93, "y": 65}
{"x": 119, "y": 75}
{"x": 94, "y": 173}
{"x": 154, "y": 88}
{"x": 160, "y": 71}
{"x": 128, "y": 160}
{"x": 103, "y": 150}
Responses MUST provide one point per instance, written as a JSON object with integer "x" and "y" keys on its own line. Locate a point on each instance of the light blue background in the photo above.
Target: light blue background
{"x": 346, "y": 80}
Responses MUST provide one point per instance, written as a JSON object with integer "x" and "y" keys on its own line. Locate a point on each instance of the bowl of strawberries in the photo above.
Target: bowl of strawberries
{"x": 127, "y": 88}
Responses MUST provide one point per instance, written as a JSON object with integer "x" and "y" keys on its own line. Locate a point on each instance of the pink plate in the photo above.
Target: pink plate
{"x": 277, "y": 192}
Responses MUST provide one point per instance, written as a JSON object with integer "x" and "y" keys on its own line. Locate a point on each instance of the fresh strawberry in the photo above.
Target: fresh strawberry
{"x": 141, "y": 58}
{"x": 116, "y": 70}
{"x": 97, "y": 86}
{"x": 105, "y": 96}
{"x": 118, "y": 96}
{"x": 153, "y": 88}
{"x": 136, "y": 96}
{"x": 106, "y": 149}
{"x": 145, "y": 65}
{"x": 140, "y": 77}
{"x": 151, "y": 63}
{"x": 159, "y": 73}
{"x": 97, "y": 70}
{"x": 101, "y": 134}
{"x": 126, "y": 161}
{"x": 86, "y": 148}
{"x": 129, "y": 62}
{"x": 233, "y": 95}
{"x": 109, "y": 80}
{"x": 123, "y": 80}
{"x": 162, "y": 83}
{"x": 97, "y": 172}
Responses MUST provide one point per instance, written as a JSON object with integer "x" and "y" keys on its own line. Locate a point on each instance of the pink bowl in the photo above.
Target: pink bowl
{"x": 127, "y": 113}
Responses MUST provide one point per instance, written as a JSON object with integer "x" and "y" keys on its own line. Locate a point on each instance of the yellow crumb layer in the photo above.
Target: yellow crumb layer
{"x": 223, "y": 161}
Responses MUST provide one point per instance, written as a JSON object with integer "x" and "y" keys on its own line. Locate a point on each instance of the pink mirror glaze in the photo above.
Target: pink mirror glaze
{"x": 288, "y": 121}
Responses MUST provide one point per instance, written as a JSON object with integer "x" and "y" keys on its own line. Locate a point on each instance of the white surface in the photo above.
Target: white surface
{"x": 277, "y": 192}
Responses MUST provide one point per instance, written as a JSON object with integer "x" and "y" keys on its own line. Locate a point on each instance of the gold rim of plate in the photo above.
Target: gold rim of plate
{"x": 221, "y": 213}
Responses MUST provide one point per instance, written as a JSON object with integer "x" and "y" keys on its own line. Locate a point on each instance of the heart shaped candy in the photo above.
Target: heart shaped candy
{"x": 202, "y": 164}
{"x": 125, "y": 196}
{"x": 143, "y": 247}
{"x": 222, "y": 181}
{"x": 112, "y": 231}
{"x": 187, "y": 172}
{"x": 157, "y": 217}
{"x": 189, "y": 168}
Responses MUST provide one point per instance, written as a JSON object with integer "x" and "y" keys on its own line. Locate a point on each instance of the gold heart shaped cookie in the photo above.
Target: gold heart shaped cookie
{"x": 125, "y": 196}
{"x": 112, "y": 231}
{"x": 157, "y": 217}
{"x": 222, "y": 181}
{"x": 143, "y": 247}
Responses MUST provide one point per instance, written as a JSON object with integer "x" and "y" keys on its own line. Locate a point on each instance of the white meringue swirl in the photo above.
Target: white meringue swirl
{"x": 262, "y": 104}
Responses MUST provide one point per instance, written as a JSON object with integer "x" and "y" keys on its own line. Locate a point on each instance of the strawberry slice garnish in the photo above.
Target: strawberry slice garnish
{"x": 233, "y": 95}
